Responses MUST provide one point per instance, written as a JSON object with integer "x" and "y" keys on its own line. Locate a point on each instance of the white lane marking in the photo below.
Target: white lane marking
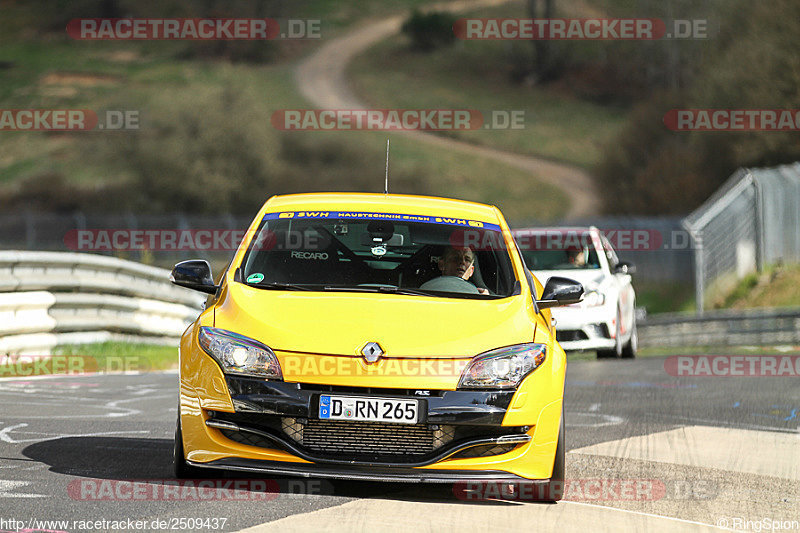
{"x": 6, "y": 437}
{"x": 742, "y": 426}
{"x": 647, "y": 514}
{"x": 7, "y": 486}
{"x": 88, "y": 374}
{"x": 126, "y": 411}
{"x": 594, "y": 407}
{"x": 4, "y": 433}
{"x": 602, "y": 420}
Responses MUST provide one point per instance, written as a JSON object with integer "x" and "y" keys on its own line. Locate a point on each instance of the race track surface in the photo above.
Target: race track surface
{"x": 646, "y": 451}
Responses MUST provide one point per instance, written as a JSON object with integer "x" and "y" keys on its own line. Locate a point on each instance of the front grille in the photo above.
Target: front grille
{"x": 370, "y": 442}
{"x": 367, "y": 438}
{"x": 570, "y": 335}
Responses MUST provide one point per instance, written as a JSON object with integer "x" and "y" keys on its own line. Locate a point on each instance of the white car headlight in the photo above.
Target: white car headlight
{"x": 504, "y": 368}
{"x": 237, "y": 354}
{"x": 593, "y": 298}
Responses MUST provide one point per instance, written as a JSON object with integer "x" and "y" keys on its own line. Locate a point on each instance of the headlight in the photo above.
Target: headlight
{"x": 594, "y": 298}
{"x": 504, "y": 368}
{"x": 237, "y": 354}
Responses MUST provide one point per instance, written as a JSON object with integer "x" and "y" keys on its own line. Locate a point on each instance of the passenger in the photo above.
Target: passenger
{"x": 457, "y": 265}
{"x": 576, "y": 258}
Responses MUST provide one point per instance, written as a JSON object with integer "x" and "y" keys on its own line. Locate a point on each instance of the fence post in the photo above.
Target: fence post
{"x": 699, "y": 271}
{"x": 758, "y": 205}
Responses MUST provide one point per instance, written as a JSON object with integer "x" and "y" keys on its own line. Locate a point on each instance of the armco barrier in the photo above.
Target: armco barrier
{"x": 50, "y": 298}
{"x": 725, "y": 327}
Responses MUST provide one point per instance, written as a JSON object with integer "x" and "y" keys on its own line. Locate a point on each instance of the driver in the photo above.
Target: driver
{"x": 457, "y": 265}
{"x": 576, "y": 258}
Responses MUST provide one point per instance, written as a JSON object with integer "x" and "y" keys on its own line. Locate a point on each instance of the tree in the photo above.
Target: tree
{"x": 543, "y": 68}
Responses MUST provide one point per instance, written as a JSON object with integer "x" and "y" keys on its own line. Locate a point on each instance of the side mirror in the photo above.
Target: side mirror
{"x": 560, "y": 291}
{"x": 194, "y": 274}
{"x": 625, "y": 267}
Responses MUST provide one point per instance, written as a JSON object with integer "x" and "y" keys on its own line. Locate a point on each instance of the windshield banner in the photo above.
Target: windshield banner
{"x": 398, "y": 217}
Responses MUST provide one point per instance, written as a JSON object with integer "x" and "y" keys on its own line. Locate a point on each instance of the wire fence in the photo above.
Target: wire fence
{"x": 159, "y": 240}
{"x": 751, "y": 222}
{"x": 659, "y": 247}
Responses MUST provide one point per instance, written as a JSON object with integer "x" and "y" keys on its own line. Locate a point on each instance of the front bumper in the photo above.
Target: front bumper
{"x": 590, "y": 328}
{"x": 357, "y": 473}
{"x": 283, "y": 416}
{"x": 532, "y": 412}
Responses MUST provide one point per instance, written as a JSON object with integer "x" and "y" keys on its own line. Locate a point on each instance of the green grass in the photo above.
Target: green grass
{"x": 778, "y": 286}
{"x": 665, "y": 297}
{"x": 666, "y": 351}
{"x": 477, "y": 75}
{"x": 94, "y": 358}
{"x": 118, "y": 356}
{"x": 147, "y": 77}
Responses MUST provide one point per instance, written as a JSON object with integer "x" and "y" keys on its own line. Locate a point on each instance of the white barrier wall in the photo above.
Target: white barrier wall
{"x": 51, "y": 298}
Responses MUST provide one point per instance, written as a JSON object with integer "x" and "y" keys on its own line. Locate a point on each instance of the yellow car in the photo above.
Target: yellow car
{"x": 374, "y": 336}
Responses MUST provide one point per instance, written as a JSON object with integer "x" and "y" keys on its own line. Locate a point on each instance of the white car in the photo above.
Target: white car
{"x": 605, "y": 320}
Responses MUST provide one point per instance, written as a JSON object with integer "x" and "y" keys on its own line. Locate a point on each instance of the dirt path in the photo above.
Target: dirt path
{"x": 321, "y": 79}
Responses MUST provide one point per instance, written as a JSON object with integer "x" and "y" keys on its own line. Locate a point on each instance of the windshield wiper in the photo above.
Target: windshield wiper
{"x": 380, "y": 288}
{"x": 276, "y": 285}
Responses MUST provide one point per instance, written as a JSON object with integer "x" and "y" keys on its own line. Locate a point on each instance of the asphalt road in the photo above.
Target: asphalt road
{"x": 716, "y": 447}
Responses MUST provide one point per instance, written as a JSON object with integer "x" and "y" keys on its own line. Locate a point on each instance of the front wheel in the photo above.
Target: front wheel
{"x": 556, "y": 488}
{"x": 181, "y": 469}
{"x": 616, "y": 351}
{"x": 632, "y": 346}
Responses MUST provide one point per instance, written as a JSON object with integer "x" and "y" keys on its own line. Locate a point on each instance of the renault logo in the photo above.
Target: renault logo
{"x": 372, "y": 351}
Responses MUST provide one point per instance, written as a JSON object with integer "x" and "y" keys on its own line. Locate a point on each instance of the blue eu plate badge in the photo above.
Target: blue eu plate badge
{"x": 324, "y": 406}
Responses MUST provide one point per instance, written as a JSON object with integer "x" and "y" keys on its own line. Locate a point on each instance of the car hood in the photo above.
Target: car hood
{"x": 342, "y": 323}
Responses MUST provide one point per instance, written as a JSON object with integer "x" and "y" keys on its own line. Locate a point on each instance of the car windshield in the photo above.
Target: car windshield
{"x": 559, "y": 251}
{"x": 379, "y": 253}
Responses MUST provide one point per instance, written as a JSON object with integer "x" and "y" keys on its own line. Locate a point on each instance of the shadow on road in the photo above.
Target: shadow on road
{"x": 132, "y": 459}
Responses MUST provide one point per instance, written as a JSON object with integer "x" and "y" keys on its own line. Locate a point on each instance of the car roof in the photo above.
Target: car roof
{"x": 382, "y": 203}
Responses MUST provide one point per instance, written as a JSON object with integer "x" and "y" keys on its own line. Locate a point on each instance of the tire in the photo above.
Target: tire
{"x": 556, "y": 489}
{"x": 616, "y": 351}
{"x": 632, "y": 346}
{"x": 180, "y": 468}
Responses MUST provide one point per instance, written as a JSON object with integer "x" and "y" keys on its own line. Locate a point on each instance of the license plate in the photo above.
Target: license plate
{"x": 366, "y": 409}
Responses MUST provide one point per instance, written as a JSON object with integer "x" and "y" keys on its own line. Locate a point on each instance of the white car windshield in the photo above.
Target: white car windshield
{"x": 554, "y": 251}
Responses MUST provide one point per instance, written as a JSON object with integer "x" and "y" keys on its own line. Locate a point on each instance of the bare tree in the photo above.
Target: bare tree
{"x": 543, "y": 68}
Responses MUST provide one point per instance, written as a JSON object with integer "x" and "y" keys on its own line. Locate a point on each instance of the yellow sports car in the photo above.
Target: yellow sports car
{"x": 374, "y": 336}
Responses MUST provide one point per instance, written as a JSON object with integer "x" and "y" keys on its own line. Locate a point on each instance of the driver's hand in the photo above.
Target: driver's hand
{"x": 481, "y": 290}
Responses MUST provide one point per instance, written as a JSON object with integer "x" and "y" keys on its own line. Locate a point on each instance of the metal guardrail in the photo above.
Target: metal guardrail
{"x": 49, "y": 299}
{"x": 727, "y": 327}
